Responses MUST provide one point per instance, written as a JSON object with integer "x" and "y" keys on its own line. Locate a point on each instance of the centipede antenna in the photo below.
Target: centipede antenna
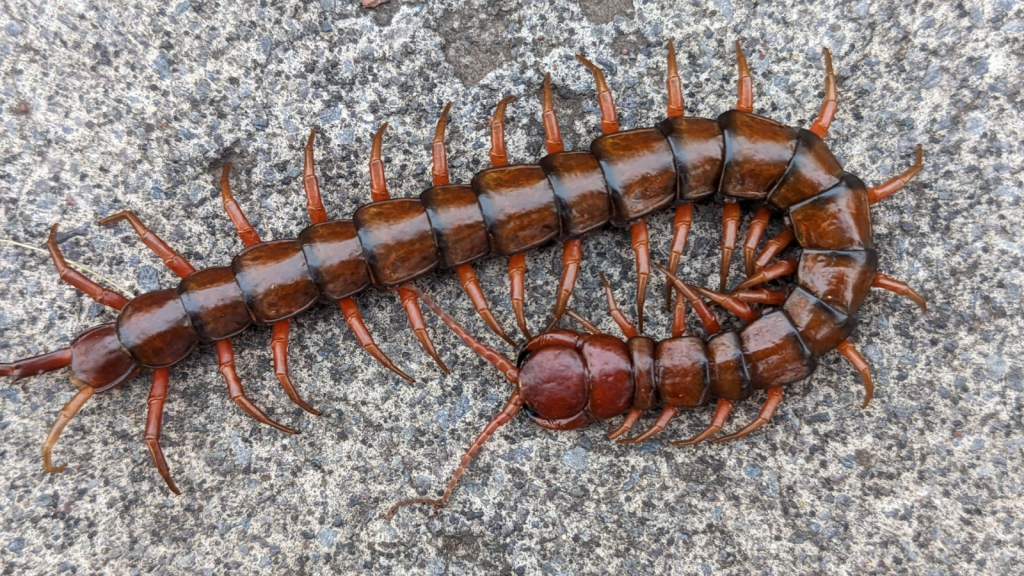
{"x": 847, "y": 349}
{"x": 831, "y": 103}
{"x": 378, "y": 183}
{"x": 507, "y": 413}
{"x": 605, "y": 102}
{"x": 894, "y": 185}
{"x": 673, "y": 85}
{"x": 439, "y": 156}
{"x": 552, "y": 135}
{"x": 500, "y": 362}
{"x": 66, "y": 414}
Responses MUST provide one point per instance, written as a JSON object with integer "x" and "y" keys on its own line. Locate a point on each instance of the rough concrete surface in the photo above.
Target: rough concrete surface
{"x": 112, "y": 106}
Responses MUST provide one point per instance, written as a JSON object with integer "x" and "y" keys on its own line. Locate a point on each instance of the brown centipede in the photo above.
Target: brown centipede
{"x": 506, "y": 210}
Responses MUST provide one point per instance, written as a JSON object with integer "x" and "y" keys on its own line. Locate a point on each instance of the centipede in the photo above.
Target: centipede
{"x": 563, "y": 379}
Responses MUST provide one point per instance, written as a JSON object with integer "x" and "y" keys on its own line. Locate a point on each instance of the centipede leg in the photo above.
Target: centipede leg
{"x": 745, "y": 86}
{"x": 314, "y": 202}
{"x": 507, "y": 413}
{"x": 378, "y": 184}
{"x": 773, "y": 247}
{"x": 66, "y": 414}
{"x": 245, "y": 230}
{"x": 707, "y": 318}
{"x": 168, "y": 255}
{"x": 517, "y": 281}
{"x": 412, "y": 310}
{"x": 613, "y": 310}
{"x": 552, "y": 135}
{"x": 729, "y": 302}
{"x": 572, "y": 254}
{"x": 226, "y": 367}
{"x": 777, "y": 270}
{"x": 847, "y": 349}
{"x": 108, "y": 298}
{"x": 279, "y": 350}
{"x": 673, "y": 84}
{"x": 666, "y": 416}
{"x": 757, "y": 227}
{"x": 605, "y": 102}
{"x": 882, "y": 191}
{"x": 587, "y": 324}
{"x": 35, "y": 365}
{"x": 471, "y": 285}
{"x": 679, "y": 318}
{"x": 763, "y": 296}
{"x": 355, "y": 323}
{"x": 632, "y": 417}
{"x": 722, "y": 411}
{"x": 829, "y": 106}
{"x": 897, "y": 287}
{"x": 680, "y": 231}
{"x": 641, "y": 248}
{"x": 730, "y": 229}
{"x": 154, "y": 423}
{"x": 769, "y": 407}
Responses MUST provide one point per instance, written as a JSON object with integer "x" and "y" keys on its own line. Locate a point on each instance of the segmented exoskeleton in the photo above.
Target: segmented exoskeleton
{"x": 507, "y": 210}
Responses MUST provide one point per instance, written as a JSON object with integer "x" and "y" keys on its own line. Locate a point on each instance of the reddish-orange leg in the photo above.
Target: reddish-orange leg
{"x": 762, "y": 296}
{"x": 707, "y": 318}
{"x": 355, "y": 323}
{"x": 249, "y": 236}
{"x": 730, "y": 229}
{"x": 729, "y": 302}
{"x": 722, "y": 411}
{"x": 896, "y": 184}
{"x": 895, "y": 286}
{"x": 511, "y": 408}
{"x": 583, "y": 321}
{"x": 226, "y": 367}
{"x": 516, "y": 262}
{"x": 773, "y": 247}
{"x": 757, "y": 227}
{"x": 108, "y": 298}
{"x": 680, "y": 230}
{"x": 767, "y": 409}
{"x": 831, "y": 103}
{"x": 666, "y": 416}
{"x": 744, "y": 86}
{"x": 613, "y": 310}
{"x": 28, "y": 367}
{"x": 467, "y": 277}
{"x": 154, "y": 423}
{"x": 170, "y": 258}
{"x": 777, "y": 270}
{"x": 379, "y": 193}
{"x": 847, "y": 349}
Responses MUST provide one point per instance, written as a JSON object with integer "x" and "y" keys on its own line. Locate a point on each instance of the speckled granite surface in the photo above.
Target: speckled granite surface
{"x": 138, "y": 107}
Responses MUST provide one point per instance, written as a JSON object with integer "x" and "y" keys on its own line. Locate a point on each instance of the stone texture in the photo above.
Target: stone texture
{"x": 139, "y": 106}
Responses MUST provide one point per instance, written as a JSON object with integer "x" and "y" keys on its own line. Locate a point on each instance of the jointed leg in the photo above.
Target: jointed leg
{"x": 632, "y": 417}
{"x": 761, "y": 296}
{"x": 642, "y": 251}
{"x": 605, "y": 102}
{"x": 613, "y": 309}
{"x": 895, "y": 286}
{"x": 847, "y": 349}
{"x": 439, "y": 156}
{"x": 675, "y": 87}
{"x": 412, "y": 310}
{"x": 552, "y": 136}
{"x": 314, "y": 202}
{"x": 378, "y": 184}
{"x": 745, "y": 86}
{"x": 896, "y": 184}
{"x": 727, "y": 301}
{"x": 770, "y": 404}
{"x": 66, "y": 414}
{"x": 499, "y": 156}
{"x": 279, "y": 349}
{"x": 722, "y": 411}
{"x": 680, "y": 230}
{"x": 154, "y": 422}
{"x": 828, "y": 108}
{"x": 777, "y": 270}
{"x": 27, "y": 367}
{"x": 572, "y": 254}
{"x": 730, "y": 229}
{"x": 226, "y": 367}
{"x": 587, "y": 325}
{"x": 679, "y": 317}
{"x": 245, "y": 230}
{"x": 757, "y": 226}
{"x": 98, "y": 293}
{"x": 506, "y": 414}
{"x": 773, "y": 247}
{"x": 517, "y": 281}
{"x": 707, "y": 318}
{"x": 172, "y": 259}
{"x": 471, "y": 285}
{"x": 666, "y": 416}
{"x": 355, "y": 323}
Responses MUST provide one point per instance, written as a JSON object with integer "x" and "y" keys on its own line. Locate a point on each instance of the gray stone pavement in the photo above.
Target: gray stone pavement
{"x": 112, "y": 106}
